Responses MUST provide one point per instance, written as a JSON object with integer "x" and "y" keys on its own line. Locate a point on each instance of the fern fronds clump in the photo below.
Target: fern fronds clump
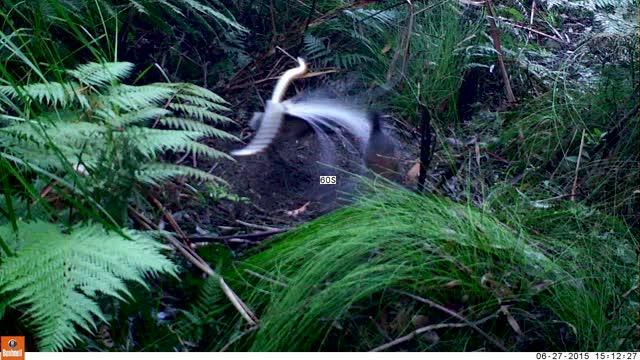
{"x": 94, "y": 120}
{"x": 57, "y": 277}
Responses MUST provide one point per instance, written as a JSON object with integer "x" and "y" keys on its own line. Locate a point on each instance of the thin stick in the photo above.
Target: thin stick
{"x": 425, "y": 147}
{"x": 575, "y": 179}
{"x": 455, "y": 315}
{"x": 209, "y": 238}
{"x": 626, "y": 294}
{"x": 243, "y": 309}
{"x": 402, "y": 54}
{"x": 495, "y": 34}
{"x": 169, "y": 217}
{"x": 424, "y": 329}
{"x": 533, "y": 12}
{"x": 553, "y": 29}
{"x": 535, "y": 31}
{"x": 407, "y": 40}
{"x": 306, "y": 23}
{"x": 256, "y": 226}
{"x": 238, "y": 337}
{"x": 305, "y": 76}
{"x": 262, "y": 277}
{"x": 337, "y": 11}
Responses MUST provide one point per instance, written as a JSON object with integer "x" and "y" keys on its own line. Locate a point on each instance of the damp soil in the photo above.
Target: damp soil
{"x": 286, "y": 178}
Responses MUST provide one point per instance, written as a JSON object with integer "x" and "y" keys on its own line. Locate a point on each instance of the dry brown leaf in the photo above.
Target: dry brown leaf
{"x": 412, "y": 175}
{"x": 542, "y": 286}
{"x": 452, "y": 284}
{"x": 420, "y": 321}
{"x": 511, "y": 320}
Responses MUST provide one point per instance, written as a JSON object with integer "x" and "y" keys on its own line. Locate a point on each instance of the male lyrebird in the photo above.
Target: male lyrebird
{"x": 321, "y": 115}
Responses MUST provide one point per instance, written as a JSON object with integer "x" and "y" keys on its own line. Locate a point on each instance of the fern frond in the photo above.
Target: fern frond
{"x": 191, "y": 125}
{"x": 158, "y": 173}
{"x": 131, "y": 98}
{"x": 135, "y": 117}
{"x": 70, "y": 134}
{"x": 204, "y": 150}
{"x": 589, "y": 4}
{"x": 203, "y": 311}
{"x": 350, "y": 60}
{"x": 314, "y": 47}
{"x": 199, "y": 113}
{"x": 58, "y": 276}
{"x": 201, "y": 101}
{"x": 173, "y": 8}
{"x": 194, "y": 90}
{"x": 209, "y": 11}
{"x": 51, "y": 93}
{"x": 372, "y": 18}
{"x": 141, "y": 9}
{"x": 98, "y": 74}
{"x": 151, "y": 142}
{"x": 108, "y": 120}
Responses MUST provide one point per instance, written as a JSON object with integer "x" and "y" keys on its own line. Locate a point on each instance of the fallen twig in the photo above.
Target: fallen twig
{"x": 298, "y": 211}
{"x": 425, "y": 147}
{"x": 495, "y": 35}
{"x": 210, "y": 238}
{"x": 531, "y": 16}
{"x": 238, "y": 337}
{"x": 575, "y": 179}
{"x": 455, "y": 315}
{"x": 167, "y": 215}
{"x": 256, "y": 226}
{"x": 626, "y": 294}
{"x": 307, "y": 75}
{"x": 424, "y": 329}
{"x": 497, "y": 157}
{"x": 402, "y": 53}
{"x": 530, "y": 29}
{"x": 192, "y": 257}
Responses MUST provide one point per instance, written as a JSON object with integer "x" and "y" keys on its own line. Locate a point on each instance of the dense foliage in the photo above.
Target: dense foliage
{"x": 526, "y": 241}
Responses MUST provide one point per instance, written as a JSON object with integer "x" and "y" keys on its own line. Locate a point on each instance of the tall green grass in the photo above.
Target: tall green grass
{"x": 543, "y": 137}
{"x": 342, "y": 281}
{"x": 437, "y": 60}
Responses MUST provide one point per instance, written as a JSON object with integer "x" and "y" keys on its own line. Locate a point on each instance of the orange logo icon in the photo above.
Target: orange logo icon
{"x": 12, "y": 347}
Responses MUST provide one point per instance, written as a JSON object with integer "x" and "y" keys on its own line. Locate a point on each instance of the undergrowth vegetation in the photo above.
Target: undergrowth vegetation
{"x": 360, "y": 276}
{"x": 115, "y": 118}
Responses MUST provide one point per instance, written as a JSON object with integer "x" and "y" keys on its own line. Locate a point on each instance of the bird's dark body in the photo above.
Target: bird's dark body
{"x": 380, "y": 155}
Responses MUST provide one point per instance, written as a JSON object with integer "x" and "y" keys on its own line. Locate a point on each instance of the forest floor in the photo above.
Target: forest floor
{"x": 280, "y": 188}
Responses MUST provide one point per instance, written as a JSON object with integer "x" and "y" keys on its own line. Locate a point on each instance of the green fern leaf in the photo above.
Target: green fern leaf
{"x": 314, "y": 47}
{"x": 106, "y": 121}
{"x": 191, "y": 125}
{"x": 207, "y": 10}
{"x": 158, "y": 173}
{"x": 99, "y": 74}
{"x": 135, "y": 117}
{"x": 57, "y": 276}
{"x": 199, "y": 113}
{"x": 194, "y": 90}
{"x": 131, "y": 98}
